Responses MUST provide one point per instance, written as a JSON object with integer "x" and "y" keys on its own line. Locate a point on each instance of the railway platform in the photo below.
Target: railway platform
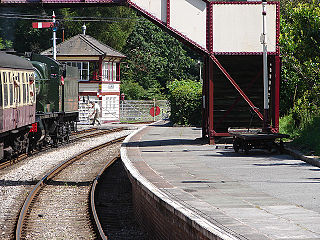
{"x": 186, "y": 189}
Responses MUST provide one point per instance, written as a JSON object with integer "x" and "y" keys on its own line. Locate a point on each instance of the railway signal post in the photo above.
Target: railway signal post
{"x": 54, "y": 27}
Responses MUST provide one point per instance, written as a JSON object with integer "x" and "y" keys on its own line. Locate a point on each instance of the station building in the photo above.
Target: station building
{"x": 99, "y": 70}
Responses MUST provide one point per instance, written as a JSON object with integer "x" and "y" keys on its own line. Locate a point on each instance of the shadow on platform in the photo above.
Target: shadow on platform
{"x": 167, "y": 142}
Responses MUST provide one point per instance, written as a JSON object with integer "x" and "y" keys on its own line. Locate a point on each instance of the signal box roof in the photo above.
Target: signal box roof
{"x": 84, "y": 46}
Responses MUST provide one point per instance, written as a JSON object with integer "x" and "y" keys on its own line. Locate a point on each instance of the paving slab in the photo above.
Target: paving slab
{"x": 257, "y": 196}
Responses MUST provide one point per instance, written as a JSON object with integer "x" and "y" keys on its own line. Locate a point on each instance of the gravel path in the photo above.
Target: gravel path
{"x": 17, "y": 180}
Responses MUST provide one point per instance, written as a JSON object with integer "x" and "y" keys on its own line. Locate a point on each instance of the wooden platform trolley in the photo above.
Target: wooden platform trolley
{"x": 246, "y": 141}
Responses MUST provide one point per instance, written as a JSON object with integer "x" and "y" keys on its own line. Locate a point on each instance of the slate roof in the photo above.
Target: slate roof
{"x": 83, "y": 45}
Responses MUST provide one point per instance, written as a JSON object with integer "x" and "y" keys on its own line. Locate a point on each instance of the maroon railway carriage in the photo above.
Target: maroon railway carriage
{"x": 17, "y": 103}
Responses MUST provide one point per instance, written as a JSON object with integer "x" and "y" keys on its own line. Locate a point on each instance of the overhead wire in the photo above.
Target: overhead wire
{"x": 69, "y": 18}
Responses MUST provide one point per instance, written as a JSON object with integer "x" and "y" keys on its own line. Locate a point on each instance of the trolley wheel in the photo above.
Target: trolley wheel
{"x": 281, "y": 147}
{"x": 236, "y": 145}
{"x": 246, "y": 147}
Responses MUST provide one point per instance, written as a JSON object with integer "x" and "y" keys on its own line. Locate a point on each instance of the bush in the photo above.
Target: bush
{"x": 185, "y": 99}
{"x": 306, "y": 137}
{"x": 133, "y": 90}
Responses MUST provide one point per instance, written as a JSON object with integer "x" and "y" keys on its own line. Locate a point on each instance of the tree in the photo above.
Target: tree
{"x": 300, "y": 48}
{"x": 110, "y": 25}
{"x": 155, "y": 58}
{"x": 5, "y": 44}
{"x": 113, "y": 29}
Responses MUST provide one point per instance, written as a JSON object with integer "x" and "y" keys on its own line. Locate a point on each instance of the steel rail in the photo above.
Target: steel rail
{"x": 24, "y": 156}
{"x": 83, "y": 131}
{"x": 13, "y": 161}
{"x": 101, "y": 132}
{"x": 92, "y": 197}
{"x": 49, "y": 175}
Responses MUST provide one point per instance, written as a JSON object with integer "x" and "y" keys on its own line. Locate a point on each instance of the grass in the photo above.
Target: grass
{"x": 306, "y": 139}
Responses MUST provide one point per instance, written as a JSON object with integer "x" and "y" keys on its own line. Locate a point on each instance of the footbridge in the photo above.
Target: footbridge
{"x": 228, "y": 35}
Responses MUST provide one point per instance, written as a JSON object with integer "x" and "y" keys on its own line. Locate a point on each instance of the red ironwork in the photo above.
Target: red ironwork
{"x": 215, "y": 134}
{"x": 209, "y": 28}
{"x": 205, "y": 100}
{"x": 100, "y": 68}
{"x": 211, "y": 100}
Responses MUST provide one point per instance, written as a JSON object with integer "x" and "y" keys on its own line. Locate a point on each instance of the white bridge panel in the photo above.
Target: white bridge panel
{"x": 156, "y": 8}
{"x": 238, "y": 27}
{"x": 188, "y": 17}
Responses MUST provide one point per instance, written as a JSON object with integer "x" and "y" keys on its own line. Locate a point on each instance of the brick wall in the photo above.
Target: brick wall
{"x": 161, "y": 220}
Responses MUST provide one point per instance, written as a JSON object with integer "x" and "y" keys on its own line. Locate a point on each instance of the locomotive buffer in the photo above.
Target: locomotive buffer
{"x": 266, "y": 139}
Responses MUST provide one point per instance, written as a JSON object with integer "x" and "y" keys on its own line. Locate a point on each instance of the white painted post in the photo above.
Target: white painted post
{"x": 154, "y": 109}
{"x": 54, "y": 36}
{"x": 265, "y": 65}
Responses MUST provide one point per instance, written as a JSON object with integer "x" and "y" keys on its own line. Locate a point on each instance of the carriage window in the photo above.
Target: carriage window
{"x": 23, "y": 92}
{"x": 27, "y": 95}
{"x": 27, "y": 88}
{"x": 5, "y": 89}
{"x": 11, "y": 92}
{"x": 32, "y": 92}
{"x": 17, "y": 85}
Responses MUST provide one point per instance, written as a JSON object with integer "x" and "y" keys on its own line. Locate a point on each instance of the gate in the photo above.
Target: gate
{"x": 139, "y": 110}
{"x": 130, "y": 111}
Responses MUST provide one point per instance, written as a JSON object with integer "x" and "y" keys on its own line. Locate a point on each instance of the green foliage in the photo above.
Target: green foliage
{"x": 287, "y": 126}
{"x": 300, "y": 47}
{"x": 20, "y": 32}
{"x": 133, "y": 90}
{"x": 5, "y": 44}
{"x": 305, "y": 138}
{"x": 154, "y": 58}
{"x": 306, "y": 107}
{"x": 300, "y": 89}
{"x": 114, "y": 32}
{"x": 185, "y": 99}
{"x": 26, "y": 39}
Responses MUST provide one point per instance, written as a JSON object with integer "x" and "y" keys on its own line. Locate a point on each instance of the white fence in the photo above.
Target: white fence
{"x": 130, "y": 111}
{"x": 139, "y": 110}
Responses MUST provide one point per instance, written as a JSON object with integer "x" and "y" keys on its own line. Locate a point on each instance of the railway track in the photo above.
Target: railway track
{"x": 58, "y": 206}
{"x": 76, "y": 136}
{"x": 17, "y": 181}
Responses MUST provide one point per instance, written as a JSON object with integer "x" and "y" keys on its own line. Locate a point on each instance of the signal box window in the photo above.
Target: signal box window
{"x": 83, "y": 68}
